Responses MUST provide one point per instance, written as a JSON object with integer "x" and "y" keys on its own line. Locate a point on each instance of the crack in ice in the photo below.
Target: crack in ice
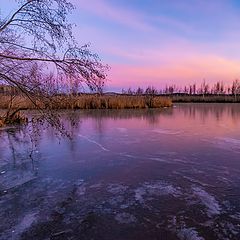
{"x": 94, "y": 142}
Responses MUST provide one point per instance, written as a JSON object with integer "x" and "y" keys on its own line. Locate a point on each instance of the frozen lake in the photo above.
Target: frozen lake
{"x": 125, "y": 175}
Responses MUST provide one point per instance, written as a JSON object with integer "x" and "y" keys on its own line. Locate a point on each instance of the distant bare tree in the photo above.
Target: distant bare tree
{"x": 150, "y": 90}
{"x": 37, "y": 39}
{"x": 130, "y": 91}
{"x": 204, "y": 88}
{"x": 194, "y": 88}
{"x": 139, "y": 91}
{"x": 236, "y": 88}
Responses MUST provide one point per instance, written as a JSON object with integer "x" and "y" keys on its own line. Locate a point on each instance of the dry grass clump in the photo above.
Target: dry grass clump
{"x": 159, "y": 102}
{"x": 1, "y": 122}
{"x": 17, "y": 118}
{"x": 17, "y": 102}
{"x": 13, "y": 118}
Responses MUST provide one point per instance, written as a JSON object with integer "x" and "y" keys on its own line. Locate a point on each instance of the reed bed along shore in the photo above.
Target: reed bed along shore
{"x": 206, "y": 98}
{"x": 90, "y": 101}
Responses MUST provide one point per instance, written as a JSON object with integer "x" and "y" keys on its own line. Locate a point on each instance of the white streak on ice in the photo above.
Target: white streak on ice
{"x": 166, "y": 131}
{"x": 94, "y": 142}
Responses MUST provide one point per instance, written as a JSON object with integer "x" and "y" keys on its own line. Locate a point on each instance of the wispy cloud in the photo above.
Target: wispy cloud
{"x": 165, "y": 41}
{"x": 124, "y": 16}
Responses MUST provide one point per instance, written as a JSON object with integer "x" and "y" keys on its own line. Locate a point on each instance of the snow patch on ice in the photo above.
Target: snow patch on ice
{"x": 230, "y": 140}
{"x": 125, "y": 218}
{"x": 189, "y": 234}
{"x": 81, "y": 190}
{"x": 158, "y": 188}
{"x": 24, "y": 224}
{"x": 12, "y": 179}
{"x": 139, "y": 193}
{"x": 213, "y": 208}
{"x": 227, "y": 143}
{"x": 116, "y": 188}
{"x": 115, "y": 201}
{"x": 81, "y": 187}
{"x": 236, "y": 216}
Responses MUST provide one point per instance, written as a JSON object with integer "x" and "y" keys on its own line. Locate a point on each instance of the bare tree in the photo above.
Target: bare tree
{"x": 150, "y": 90}
{"x": 139, "y": 91}
{"x": 36, "y": 40}
{"x": 236, "y": 88}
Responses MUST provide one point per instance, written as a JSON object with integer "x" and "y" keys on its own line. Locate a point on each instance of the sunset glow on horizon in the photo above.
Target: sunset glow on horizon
{"x": 160, "y": 43}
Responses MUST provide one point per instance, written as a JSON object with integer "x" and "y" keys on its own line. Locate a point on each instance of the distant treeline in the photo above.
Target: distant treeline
{"x": 219, "y": 88}
{"x": 218, "y": 92}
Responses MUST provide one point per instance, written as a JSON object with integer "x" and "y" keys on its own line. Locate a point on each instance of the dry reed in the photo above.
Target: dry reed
{"x": 91, "y": 101}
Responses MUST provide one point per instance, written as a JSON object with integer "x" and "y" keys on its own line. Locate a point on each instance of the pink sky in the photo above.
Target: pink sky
{"x": 161, "y": 42}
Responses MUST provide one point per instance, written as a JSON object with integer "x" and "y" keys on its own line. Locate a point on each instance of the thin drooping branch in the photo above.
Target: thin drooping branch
{"x": 12, "y": 18}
